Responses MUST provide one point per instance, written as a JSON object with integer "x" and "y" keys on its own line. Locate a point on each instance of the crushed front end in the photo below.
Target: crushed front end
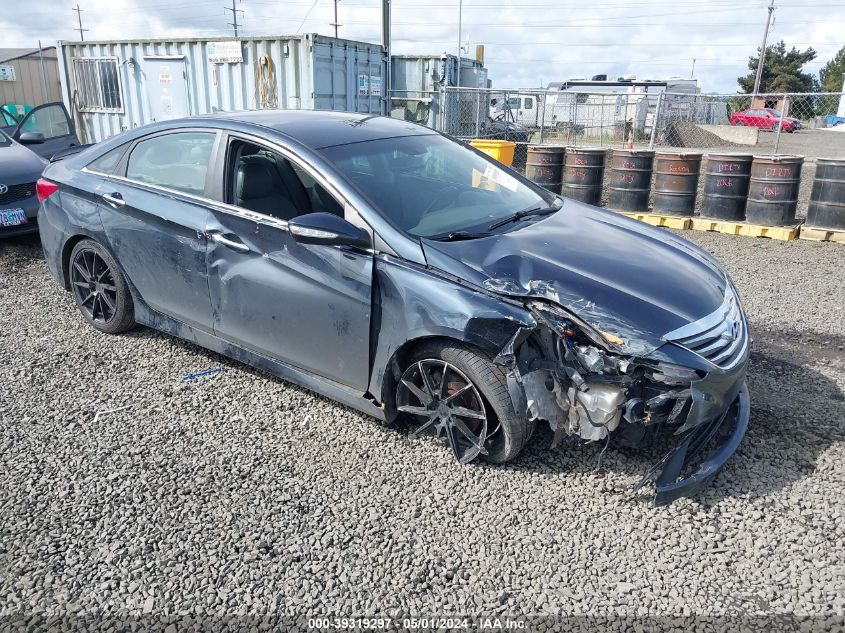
{"x": 595, "y": 384}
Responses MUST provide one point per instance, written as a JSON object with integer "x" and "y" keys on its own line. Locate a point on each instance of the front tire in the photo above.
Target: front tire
{"x": 99, "y": 289}
{"x": 460, "y": 395}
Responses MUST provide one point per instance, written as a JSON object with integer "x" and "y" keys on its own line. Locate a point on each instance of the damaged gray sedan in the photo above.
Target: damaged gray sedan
{"x": 406, "y": 275}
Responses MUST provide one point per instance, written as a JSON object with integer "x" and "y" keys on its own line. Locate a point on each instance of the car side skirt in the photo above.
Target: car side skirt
{"x": 330, "y": 389}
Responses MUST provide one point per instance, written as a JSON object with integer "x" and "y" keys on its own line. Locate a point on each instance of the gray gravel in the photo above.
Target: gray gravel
{"x": 242, "y": 494}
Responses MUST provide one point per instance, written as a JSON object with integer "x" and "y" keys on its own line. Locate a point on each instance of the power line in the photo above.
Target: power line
{"x": 234, "y": 22}
{"x": 79, "y": 17}
{"x": 301, "y": 24}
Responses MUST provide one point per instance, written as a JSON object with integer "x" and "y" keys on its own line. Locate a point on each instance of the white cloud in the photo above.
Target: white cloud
{"x": 527, "y": 41}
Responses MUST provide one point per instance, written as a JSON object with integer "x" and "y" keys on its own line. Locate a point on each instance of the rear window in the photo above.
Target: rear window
{"x": 106, "y": 163}
{"x": 176, "y": 161}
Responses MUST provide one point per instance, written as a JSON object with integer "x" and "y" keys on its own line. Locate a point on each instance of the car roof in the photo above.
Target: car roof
{"x": 319, "y": 129}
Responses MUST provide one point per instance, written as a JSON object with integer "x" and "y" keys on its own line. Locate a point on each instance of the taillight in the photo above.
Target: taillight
{"x": 45, "y": 188}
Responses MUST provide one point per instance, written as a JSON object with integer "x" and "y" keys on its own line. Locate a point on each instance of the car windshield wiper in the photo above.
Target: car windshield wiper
{"x": 456, "y": 236}
{"x": 516, "y": 217}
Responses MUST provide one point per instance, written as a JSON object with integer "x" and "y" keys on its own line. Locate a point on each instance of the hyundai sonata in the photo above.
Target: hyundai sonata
{"x": 405, "y": 274}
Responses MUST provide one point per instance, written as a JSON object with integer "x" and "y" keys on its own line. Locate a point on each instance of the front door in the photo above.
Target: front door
{"x": 155, "y": 221}
{"x": 306, "y": 305}
{"x": 51, "y": 120}
{"x": 166, "y": 80}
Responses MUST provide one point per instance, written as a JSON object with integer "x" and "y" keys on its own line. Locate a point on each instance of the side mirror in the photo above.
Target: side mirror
{"x": 30, "y": 138}
{"x": 327, "y": 229}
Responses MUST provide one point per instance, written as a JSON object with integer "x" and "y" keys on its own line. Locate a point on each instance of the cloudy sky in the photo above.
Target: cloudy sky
{"x": 528, "y": 42}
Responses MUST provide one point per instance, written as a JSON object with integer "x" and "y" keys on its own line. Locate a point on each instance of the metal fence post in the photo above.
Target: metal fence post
{"x": 656, "y": 120}
{"x": 780, "y": 123}
{"x": 543, "y": 118}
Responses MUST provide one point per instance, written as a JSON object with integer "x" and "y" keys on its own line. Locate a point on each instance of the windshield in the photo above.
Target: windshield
{"x": 775, "y": 113}
{"x": 430, "y": 186}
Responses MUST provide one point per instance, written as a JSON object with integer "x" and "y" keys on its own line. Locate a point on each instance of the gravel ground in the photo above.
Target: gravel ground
{"x": 124, "y": 490}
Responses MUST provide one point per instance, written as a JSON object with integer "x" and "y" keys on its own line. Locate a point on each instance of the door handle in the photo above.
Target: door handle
{"x": 225, "y": 241}
{"x": 114, "y": 199}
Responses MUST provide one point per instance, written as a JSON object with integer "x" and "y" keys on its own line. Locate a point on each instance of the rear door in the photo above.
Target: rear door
{"x": 307, "y": 305}
{"x": 154, "y": 213}
{"x": 52, "y": 121}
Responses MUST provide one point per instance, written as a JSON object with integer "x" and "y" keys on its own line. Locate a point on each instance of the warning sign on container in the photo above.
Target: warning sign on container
{"x": 363, "y": 85}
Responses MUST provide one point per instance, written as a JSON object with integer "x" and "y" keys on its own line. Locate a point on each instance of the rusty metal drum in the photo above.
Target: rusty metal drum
{"x": 827, "y": 198}
{"x": 544, "y": 165}
{"x": 583, "y": 174}
{"x": 773, "y": 192}
{"x": 630, "y": 179}
{"x": 726, "y": 180}
{"x": 676, "y": 182}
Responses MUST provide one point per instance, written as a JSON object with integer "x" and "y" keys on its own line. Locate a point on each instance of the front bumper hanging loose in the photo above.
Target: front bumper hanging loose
{"x": 667, "y": 486}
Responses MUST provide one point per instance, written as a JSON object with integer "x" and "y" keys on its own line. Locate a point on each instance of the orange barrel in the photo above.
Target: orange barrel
{"x": 676, "y": 182}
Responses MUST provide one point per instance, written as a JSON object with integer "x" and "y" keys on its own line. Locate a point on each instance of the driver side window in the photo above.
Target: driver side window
{"x": 262, "y": 180}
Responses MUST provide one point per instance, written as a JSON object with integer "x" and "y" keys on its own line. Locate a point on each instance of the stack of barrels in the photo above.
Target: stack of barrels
{"x": 737, "y": 187}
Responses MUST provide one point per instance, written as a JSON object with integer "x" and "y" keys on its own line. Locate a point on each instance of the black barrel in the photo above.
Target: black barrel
{"x": 773, "y": 193}
{"x": 583, "y": 174}
{"x": 726, "y": 180}
{"x": 827, "y": 199}
{"x": 676, "y": 182}
{"x": 544, "y": 165}
{"x": 630, "y": 179}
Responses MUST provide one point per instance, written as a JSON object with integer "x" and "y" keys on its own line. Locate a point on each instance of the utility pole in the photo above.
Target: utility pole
{"x": 385, "y": 42}
{"x": 234, "y": 22}
{"x": 335, "y": 24}
{"x": 762, "y": 59}
{"x": 692, "y": 72}
{"x": 79, "y": 17}
{"x": 460, "y": 15}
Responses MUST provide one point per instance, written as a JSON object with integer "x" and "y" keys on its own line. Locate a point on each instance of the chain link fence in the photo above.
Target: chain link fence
{"x": 811, "y": 124}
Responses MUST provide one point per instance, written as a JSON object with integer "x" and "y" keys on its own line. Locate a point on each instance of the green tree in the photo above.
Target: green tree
{"x": 781, "y": 71}
{"x": 830, "y": 76}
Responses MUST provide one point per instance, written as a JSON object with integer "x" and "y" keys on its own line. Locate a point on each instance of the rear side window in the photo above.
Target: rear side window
{"x": 106, "y": 163}
{"x": 177, "y": 161}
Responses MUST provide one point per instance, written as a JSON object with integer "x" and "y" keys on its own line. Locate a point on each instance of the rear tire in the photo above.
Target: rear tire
{"x": 506, "y": 433}
{"x": 99, "y": 288}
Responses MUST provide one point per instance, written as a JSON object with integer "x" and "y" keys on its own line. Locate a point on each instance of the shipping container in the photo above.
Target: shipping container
{"x": 417, "y": 82}
{"x": 111, "y": 86}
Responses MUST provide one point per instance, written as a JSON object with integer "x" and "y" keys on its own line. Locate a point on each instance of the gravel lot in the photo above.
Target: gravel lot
{"x": 241, "y": 494}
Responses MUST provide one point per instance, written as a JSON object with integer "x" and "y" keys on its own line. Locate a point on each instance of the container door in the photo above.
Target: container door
{"x": 167, "y": 87}
{"x": 330, "y": 86}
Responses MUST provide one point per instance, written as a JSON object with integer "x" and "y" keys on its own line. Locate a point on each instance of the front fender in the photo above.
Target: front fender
{"x": 412, "y": 303}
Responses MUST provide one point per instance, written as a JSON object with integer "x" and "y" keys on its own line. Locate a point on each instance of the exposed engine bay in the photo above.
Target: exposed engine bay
{"x": 583, "y": 390}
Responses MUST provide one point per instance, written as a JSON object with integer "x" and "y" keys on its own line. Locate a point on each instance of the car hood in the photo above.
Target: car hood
{"x": 18, "y": 164}
{"x": 619, "y": 275}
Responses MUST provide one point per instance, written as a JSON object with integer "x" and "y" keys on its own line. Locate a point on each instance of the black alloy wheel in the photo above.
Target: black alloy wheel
{"x": 99, "y": 289}
{"x": 93, "y": 286}
{"x": 448, "y": 403}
